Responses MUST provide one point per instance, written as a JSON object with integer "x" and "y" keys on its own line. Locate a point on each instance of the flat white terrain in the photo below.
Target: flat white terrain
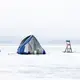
{"x": 55, "y": 65}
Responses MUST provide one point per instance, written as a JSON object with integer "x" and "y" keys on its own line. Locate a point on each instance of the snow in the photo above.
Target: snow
{"x": 55, "y": 65}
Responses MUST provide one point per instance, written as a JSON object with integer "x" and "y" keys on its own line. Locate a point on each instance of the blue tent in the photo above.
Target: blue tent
{"x": 30, "y": 45}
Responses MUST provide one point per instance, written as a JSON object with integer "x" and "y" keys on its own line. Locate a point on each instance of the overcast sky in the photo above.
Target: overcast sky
{"x": 47, "y": 19}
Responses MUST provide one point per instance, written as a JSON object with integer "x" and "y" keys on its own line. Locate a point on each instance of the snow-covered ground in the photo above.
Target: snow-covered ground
{"x": 55, "y": 65}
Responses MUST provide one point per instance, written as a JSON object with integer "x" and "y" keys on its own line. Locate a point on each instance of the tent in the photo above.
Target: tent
{"x": 30, "y": 45}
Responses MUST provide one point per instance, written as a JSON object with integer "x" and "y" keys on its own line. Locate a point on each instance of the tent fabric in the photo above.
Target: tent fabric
{"x": 30, "y": 45}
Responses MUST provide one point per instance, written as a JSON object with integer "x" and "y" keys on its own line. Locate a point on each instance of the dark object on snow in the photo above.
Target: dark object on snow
{"x": 68, "y": 47}
{"x": 30, "y": 45}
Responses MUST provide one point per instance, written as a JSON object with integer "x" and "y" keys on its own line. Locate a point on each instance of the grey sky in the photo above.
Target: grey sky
{"x": 47, "y": 19}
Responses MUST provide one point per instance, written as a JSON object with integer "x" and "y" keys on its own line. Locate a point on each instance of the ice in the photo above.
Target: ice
{"x": 55, "y": 65}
